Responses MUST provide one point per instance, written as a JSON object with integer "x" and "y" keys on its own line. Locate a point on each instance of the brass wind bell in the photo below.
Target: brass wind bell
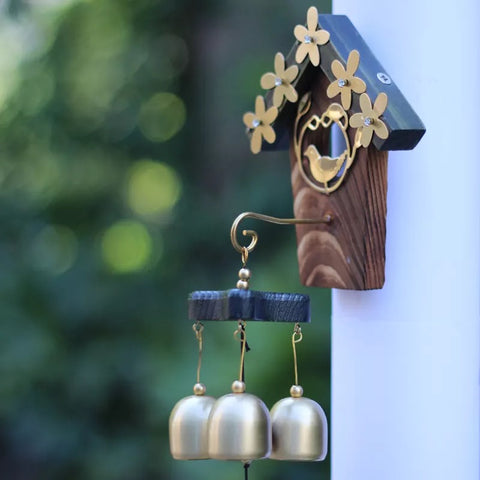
{"x": 238, "y": 425}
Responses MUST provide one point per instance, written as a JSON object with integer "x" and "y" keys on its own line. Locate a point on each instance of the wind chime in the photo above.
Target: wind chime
{"x": 238, "y": 425}
{"x": 330, "y": 78}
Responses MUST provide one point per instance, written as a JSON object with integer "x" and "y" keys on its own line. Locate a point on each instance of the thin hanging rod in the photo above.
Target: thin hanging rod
{"x": 267, "y": 218}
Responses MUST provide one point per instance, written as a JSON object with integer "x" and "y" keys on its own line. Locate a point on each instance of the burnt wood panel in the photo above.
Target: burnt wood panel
{"x": 236, "y": 304}
{"x": 348, "y": 253}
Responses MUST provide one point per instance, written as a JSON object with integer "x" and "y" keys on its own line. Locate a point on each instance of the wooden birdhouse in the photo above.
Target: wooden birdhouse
{"x": 331, "y": 86}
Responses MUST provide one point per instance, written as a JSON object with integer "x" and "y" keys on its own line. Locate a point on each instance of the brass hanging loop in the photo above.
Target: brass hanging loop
{"x": 198, "y": 330}
{"x": 327, "y": 218}
{"x": 296, "y": 337}
{"x": 245, "y": 252}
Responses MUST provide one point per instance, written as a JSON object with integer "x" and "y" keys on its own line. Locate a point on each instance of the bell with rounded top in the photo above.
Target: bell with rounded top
{"x": 239, "y": 427}
{"x": 299, "y": 428}
{"x": 188, "y": 425}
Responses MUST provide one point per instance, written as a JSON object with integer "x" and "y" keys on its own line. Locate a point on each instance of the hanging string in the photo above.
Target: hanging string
{"x": 246, "y": 465}
{"x": 296, "y": 337}
{"x": 241, "y": 334}
{"x": 198, "y": 329}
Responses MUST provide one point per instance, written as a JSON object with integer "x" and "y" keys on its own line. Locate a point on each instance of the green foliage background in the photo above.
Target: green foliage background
{"x": 123, "y": 163}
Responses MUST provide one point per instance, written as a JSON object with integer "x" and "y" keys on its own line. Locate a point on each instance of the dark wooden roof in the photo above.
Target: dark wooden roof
{"x": 405, "y": 127}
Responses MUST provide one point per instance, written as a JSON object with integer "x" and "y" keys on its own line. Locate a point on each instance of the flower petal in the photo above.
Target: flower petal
{"x": 357, "y": 85}
{"x": 290, "y": 74}
{"x": 256, "y": 141}
{"x": 300, "y": 31}
{"x": 333, "y": 89}
{"x": 322, "y": 37}
{"x": 312, "y": 18}
{"x": 346, "y": 96}
{"x": 279, "y": 64}
{"x": 259, "y": 106}
{"x": 268, "y": 80}
{"x": 269, "y": 116}
{"x": 380, "y": 103}
{"x": 356, "y": 120}
{"x": 367, "y": 134}
{"x": 365, "y": 104}
{"x": 278, "y": 96}
{"x": 353, "y": 62}
{"x": 338, "y": 69}
{"x": 301, "y": 53}
{"x": 248, "y": 119}
{"x": 290, "y": 93}
{"x": 268, "y": 133}
{"x": 380, "y": 129}
{"x": 314, "y": 54}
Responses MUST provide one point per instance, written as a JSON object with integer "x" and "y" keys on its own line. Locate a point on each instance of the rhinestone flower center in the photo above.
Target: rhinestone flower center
{"x": 367, "y": 121}
{"x": 278, "y": 81}
{"x": 256, "y": 123}
{"x": 342, "y": 82}
{"x": 308, "y": 39}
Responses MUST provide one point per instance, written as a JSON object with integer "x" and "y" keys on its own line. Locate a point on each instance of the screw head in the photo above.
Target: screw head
{"x": 368, "y": 121}
{"x": 384, "y": 78}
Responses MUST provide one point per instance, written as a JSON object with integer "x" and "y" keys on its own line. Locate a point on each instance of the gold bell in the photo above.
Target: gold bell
{"x": 239, "y": 427}
{"x": 188, "y": 425}
{"x": 299, "y": 428}
{"x": 299, "y": 425}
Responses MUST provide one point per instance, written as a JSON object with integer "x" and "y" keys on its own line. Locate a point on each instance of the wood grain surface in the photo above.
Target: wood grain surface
{"x": 238, "y": 304}
{"x": 348, "y": 253}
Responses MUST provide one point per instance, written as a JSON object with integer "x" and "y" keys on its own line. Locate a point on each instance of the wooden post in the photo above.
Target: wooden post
{"x": 405, "y": 366}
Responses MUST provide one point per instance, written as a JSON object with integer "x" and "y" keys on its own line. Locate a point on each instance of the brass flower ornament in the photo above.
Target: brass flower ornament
{"x": 260, "y": 124}
{"x": 346, "y": 82}
{"x": 281, "y": 81}
{"x": 310, "y": 38}
{"x": 368, "y": 122}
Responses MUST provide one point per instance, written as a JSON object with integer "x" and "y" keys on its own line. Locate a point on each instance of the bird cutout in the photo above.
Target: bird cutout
{"x": 322, "y": 167}
{"x": 326, "y": 172}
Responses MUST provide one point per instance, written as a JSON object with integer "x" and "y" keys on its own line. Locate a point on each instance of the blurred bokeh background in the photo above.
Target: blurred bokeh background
{"x": 123, "y": 163}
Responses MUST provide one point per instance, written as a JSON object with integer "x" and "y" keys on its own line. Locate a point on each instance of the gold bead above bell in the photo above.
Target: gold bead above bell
{"x": 188, "y": 425}
{"x": 239, "y": 427}
{"x": 299, "y": 428}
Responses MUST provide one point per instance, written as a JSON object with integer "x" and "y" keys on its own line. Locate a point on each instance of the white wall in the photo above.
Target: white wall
{"x": 405, "y": 366}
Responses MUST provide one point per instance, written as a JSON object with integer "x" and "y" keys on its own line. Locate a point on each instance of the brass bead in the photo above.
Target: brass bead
{"x": 296, "y": 391}
{"x": 244, "y": 274}
{"x": 242, "y": 285}
{"x": 199, "y": 389}
{"x": 238, "y": 386}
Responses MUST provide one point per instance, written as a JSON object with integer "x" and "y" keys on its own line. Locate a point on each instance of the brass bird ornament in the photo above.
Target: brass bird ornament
{"x": 324, "y": 168}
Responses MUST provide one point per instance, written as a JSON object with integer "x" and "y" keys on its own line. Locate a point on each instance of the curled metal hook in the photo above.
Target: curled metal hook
{"x": 266, "y": 218}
